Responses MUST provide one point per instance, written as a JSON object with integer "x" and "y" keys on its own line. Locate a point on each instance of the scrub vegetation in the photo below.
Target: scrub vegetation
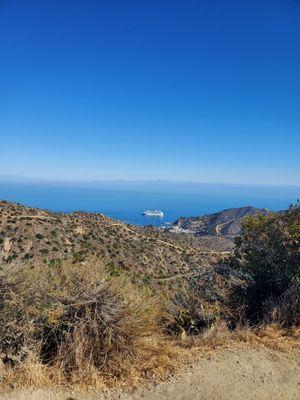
{"x": 88, "y": 323}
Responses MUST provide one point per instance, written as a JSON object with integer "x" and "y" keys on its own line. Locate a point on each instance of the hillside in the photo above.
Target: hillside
{"x": 226, "y": 223}
{"x": 30, "y": 235}
{"x": 89, "y": 302}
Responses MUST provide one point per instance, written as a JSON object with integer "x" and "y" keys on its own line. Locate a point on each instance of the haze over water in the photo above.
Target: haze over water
{"x": 127, "y": 200}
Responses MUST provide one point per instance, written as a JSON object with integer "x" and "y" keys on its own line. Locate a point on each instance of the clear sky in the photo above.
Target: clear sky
{"x": 151, "y": 89}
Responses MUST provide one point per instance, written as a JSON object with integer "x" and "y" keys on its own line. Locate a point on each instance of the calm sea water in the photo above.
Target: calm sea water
{"x": 127, "y": 201}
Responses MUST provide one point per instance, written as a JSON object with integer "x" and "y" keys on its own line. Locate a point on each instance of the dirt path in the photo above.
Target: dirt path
{"x": 231, "y": 374}
{"x": 220, "y": 226}
{"x": 37, "y": 216}
{"x": 173, "y": 277}
{"x": 164, "y": 242}
{"x": 145, "y": 236}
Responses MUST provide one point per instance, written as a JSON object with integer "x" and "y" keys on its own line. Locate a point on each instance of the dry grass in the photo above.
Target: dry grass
{"x": 218, "y": 336}
{"x": 155, "y": 366}
{"x": 272, "y": 336}
{"x": 75, "y": 325}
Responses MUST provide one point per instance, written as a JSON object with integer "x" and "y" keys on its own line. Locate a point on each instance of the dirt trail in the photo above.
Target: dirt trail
{"x": 37, "y": 216}
{"x": 145, "y": 236}
{"x": 231, "y": 374}
{"x": 220, "y": 226}
{"x": 173, "y": 277}
{"x": 164, "y": 242}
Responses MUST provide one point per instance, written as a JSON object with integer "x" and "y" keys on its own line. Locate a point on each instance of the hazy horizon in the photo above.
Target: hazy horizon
{"x": 183, "y": 91}
{"x": 126, "y": 200}
{"x": 36, "y": 179}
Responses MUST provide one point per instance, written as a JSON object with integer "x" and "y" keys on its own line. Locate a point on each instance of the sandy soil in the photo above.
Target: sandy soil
{"x": 235, "y": 374}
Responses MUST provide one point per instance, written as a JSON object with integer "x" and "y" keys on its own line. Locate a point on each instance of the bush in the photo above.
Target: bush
{"x": 268, "y": 253}
{"x": 286, "y": 309}
{"x": 80, "y": 320}
{"x": 203, "y": 301}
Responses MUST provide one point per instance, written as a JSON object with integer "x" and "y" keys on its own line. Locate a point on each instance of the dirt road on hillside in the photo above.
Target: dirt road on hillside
{"x": 231, "y": 374}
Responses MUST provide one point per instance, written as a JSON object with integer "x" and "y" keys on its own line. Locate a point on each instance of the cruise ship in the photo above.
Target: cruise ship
{"x": 154, "y": 213}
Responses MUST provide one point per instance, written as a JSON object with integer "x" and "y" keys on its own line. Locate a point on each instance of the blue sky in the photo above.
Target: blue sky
{"x": 183, "y": 90}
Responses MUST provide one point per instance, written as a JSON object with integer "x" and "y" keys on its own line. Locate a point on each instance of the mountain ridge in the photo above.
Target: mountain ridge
{"x": 225, "y": 223}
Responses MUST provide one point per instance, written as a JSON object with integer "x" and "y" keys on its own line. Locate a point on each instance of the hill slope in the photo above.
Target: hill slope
{"x": 30, "y": 235}
{"x": 226, "y": 223}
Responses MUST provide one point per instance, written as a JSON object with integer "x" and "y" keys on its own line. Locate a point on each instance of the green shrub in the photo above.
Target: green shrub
{"x": 268, "y": 253}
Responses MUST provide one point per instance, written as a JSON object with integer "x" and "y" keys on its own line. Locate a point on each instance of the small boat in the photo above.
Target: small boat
{"x": 154, "y": 213}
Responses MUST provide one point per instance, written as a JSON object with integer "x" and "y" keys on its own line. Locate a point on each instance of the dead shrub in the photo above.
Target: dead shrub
{"x": 80, "y": 321}
{"x": 189, "y": 314}
{"x": 202, "y": 301}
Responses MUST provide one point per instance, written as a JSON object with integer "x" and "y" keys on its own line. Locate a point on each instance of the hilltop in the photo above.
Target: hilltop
{"x": 226, "y": 223}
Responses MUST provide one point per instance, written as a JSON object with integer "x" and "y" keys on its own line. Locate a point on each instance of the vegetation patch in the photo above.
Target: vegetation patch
{"x": 129, "y": 316}
{"x": 83, "y": 325}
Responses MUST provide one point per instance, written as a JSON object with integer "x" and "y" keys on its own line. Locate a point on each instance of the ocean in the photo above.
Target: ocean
{"x": 126, "y": 201}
